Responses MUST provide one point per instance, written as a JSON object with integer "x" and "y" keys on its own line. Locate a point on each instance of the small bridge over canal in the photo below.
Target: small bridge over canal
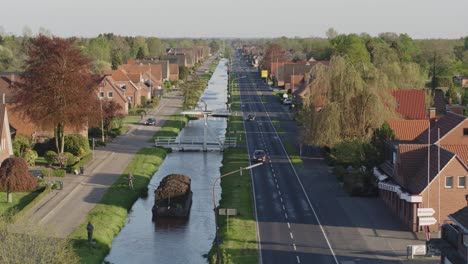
{"x": 205, "y": 143}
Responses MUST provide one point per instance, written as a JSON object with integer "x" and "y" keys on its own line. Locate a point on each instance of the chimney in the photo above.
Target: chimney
{"x": 432, "y": 112}
{"x": 12, "y": 79}
{"x": 3, "y": 99}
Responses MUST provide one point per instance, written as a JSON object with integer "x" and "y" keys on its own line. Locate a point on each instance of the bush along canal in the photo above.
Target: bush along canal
{"x": 187, "y": 239}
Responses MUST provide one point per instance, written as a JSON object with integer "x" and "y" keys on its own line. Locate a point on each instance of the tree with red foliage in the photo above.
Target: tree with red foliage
{"x": 273, "y": 54}
{"x": 56, "y": 88}
{"x": 111, "y": 110}
{"x": 15, "y": 177}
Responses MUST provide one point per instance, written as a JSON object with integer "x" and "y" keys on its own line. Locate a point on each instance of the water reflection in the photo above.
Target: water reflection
{"x": 174, "y": 240}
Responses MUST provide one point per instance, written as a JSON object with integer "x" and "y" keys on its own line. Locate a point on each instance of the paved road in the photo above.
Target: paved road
{"x": 303, "y": 214}
{"x": 62, "y": 211}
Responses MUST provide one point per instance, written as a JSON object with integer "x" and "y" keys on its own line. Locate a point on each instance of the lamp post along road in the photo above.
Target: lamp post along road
{"x": 218, "y": 252}
{"x": 102, "y": 122}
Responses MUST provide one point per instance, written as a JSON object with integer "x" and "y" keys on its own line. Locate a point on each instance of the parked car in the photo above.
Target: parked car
{"x": 259, "y": 155}
{"x": 36, "y": 173}
{"x": 150, "y": 122}
{"x": 250, "y": 117}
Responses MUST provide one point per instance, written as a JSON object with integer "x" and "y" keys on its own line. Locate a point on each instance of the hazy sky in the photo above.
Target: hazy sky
{"x": 237, "y": 18}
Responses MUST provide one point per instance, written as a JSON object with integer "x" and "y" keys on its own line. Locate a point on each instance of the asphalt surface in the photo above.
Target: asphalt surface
{"x": 303, "y": 214}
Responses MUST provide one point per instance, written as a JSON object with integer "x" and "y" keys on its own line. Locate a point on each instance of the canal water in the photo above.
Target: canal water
{"x": 175, "y": 240}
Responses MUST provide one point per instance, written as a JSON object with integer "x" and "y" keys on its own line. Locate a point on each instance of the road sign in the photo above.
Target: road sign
{"x": 425, "y": 211}
{"x": 427, "y": 221}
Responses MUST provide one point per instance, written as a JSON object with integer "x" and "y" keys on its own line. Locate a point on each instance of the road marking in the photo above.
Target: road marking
{"x": 291, "y": 235}
{"x": 279, "y": 192}
{"x": 294, "y": 246}
{"x": 298, "y": 259}
{"x": 277, "y": 187}
{"x": 286, "y": 215}
{"x": 303, "y": 190}
{"x": 284, "y": 208}
{"x": 289, "y": 226}
{"x": 281, "y": 199}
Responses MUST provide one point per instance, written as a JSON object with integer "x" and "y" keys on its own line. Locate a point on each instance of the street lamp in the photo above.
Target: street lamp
{"x": 102, "y": 121}
{"x": 232, "y": 81}
{"x": 218, "y": 253}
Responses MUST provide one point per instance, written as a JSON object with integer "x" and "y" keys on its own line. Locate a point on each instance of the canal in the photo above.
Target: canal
{"x": 175, "y": 240}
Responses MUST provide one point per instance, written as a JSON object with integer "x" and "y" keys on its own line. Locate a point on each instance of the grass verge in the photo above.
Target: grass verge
{"x": 239, "y": 241}
{"x": 293, "y": 155}
{"x": 108, "y": 217}
{"x": 22, "y": 201}
{"x": 172, "y": 127}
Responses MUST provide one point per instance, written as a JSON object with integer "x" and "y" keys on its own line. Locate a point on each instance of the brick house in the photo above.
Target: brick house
{"x": 418, "y": 175}
{"x": 453, "y": 244}
{"x": 174, "y": 72}
{"x": 107, "y": 89}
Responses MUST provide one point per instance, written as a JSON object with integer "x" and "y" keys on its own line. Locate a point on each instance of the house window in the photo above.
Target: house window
{"x": 101, "y": 94}
{"x": 110, "y": 94}
{"x": 465, "y": 131}
{"x": 461, "y": 181}
{"x": 448, "y": 181}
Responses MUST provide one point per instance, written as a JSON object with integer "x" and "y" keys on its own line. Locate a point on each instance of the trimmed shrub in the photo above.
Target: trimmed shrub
{"x": 30, "y": 156}
{"x": 71, "y": 159}
{"x": 77, "y": 145}
{"x": 20, "y": 144}
{"x": 50, "y": 156}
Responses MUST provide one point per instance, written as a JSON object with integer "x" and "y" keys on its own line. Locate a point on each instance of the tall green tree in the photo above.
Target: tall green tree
{"x": 351, "y": 46}
{"x": 116, "y": 59}
{"x": 352, "y": 107}
{"x": 56, "y": 88}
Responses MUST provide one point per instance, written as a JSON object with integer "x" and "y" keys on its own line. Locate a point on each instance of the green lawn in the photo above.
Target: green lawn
{"x": 171, "y": 128}
{"x": 108, "y": 217}
{"x": 240, "y": 241}
{"x": 20, "y": 201}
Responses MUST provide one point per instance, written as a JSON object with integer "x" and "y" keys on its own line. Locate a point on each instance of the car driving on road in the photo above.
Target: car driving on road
{"x": 259, "y": 155}
{"x": 150, "y": 122}
{"x": 250, "y": 117}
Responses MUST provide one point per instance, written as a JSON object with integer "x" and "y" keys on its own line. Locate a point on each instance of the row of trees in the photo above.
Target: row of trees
{"x": 105, "y": 51}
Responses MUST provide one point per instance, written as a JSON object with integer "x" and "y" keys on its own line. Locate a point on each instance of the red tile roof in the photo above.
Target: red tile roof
{"x": 460, "y": 150}
{"x": 410, "y": 104}
{"x": 408, "y": 129}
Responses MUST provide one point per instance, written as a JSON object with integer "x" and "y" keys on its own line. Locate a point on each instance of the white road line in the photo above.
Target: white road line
{"x": 289, "y": 226}
{"x": 279, "y": 192}
{"x": 294, "y": 246}
{"x": 298, "y": 259}
{"x": 281, "y": 199}
{"x": 286, "y": 215}
{"x": 303, "y": 190}
{"x": 290, "y": 234}
{"x": 277, "y": 187}
{"x": 284, "y": 208}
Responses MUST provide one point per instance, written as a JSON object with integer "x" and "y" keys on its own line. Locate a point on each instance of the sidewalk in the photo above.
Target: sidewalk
{"x": 64, "y": 210}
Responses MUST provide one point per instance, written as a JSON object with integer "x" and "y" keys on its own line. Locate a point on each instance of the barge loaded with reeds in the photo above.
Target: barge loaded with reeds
{"x": 173, "y": 197}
